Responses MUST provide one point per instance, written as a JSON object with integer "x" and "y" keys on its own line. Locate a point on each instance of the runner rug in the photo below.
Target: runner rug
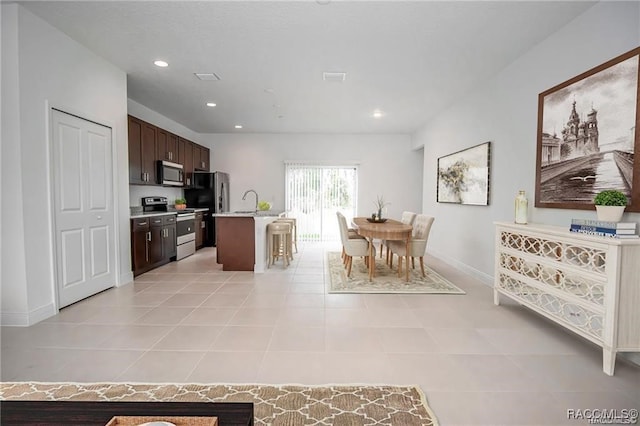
{"x": 285, "y": 405}
{"x": 386, "y": 280}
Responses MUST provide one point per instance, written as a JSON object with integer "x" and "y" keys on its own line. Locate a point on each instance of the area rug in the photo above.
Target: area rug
{"x": 285, "y": 405}
{"x": 386, "y": 280}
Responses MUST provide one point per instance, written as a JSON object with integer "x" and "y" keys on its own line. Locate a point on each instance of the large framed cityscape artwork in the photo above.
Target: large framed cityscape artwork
{"x": 587, "y": 136}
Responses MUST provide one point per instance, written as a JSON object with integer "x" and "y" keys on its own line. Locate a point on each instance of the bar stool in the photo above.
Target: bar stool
{"x": 278, "y": 238}
{"x": 294, "y": 229}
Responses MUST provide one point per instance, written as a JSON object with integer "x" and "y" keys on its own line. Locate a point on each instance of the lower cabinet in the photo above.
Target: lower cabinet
{"x": 153, "y": 242}
{"x": 201, "y": 225}
{"x": 169, "y": 247}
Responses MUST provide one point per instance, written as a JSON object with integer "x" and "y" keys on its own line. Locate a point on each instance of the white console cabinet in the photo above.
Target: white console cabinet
{"x": 588, "y": 284}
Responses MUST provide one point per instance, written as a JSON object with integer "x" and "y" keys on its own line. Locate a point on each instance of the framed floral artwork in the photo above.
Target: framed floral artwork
{"x": 463, "y": 177}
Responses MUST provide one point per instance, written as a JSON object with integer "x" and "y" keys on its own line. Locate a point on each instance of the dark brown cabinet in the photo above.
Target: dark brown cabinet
{"x": 167, "y": 146}
{"x": 153, "y": 242}
{"x": 201, "y": 225}
{"x": 142, "y": 152}
{"x": 148, "y": 144}
{"x": 169, "y": 247}
{"x": 139, "y": 245}
{"x": 185, "y": 148}
{"x": 201, "y": 158}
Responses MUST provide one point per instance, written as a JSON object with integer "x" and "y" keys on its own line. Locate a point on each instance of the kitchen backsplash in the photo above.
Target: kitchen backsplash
{"x": 137, "y": 192}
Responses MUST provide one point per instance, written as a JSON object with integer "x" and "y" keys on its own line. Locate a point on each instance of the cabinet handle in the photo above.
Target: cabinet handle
{"x": 188, "y": 181}
{"x": 148, "y": 236}
{"x": 202, "y": 225}
{"x": 142, "y": 223}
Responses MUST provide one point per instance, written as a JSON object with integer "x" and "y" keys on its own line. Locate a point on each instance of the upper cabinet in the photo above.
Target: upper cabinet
{"x": 168, "y": 146}
{"x": 149, "y": 143}
{"x": 201, "y": 158}
{"x": 185, "y": 148}
{"x": 142, "y": 152}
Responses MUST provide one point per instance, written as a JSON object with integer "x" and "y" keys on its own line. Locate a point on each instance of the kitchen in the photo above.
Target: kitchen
{"x": 162, "y": 232}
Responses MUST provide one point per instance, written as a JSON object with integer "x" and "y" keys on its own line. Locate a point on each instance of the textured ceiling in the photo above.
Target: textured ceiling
{"x": 408, "y": 59}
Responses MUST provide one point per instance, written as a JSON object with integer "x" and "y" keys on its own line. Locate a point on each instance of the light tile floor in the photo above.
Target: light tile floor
{"x": 189, "y": 321}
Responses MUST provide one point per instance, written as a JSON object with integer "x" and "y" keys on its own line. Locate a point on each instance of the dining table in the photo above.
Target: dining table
{"x": 385, "y": 229}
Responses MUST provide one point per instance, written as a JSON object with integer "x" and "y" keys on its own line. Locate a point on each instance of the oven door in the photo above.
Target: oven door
{"x": 186, "y": 228}
{"x": 169, "y": 173}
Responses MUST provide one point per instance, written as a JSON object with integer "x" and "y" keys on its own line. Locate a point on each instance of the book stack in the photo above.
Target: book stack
{"x": 604, "y": 229}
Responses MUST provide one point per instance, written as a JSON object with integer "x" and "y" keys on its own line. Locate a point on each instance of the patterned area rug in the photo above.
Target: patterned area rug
{"x": 386, "y": 280}
{"x": 273, "y": 405}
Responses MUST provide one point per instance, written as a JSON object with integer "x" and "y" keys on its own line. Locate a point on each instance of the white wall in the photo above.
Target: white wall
{"x": 388, "y": 166}
{"x": 13, "y": 290}
{"x": 504, "y": 111}
{"x": 44, "y": 68}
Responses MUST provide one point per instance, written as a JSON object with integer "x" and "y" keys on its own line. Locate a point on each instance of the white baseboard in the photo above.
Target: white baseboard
{"x": 125, "y": 278}
{"x": 481, "y": 276}
{"x": 634, "y": 357}
{"x": 25, "y": 319}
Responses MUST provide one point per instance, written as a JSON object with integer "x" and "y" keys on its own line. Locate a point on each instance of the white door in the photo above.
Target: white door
{"x": 83, "y": 205}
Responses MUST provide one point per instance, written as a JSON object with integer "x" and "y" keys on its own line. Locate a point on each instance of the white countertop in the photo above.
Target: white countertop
{"x": 150, "y": 214}
{"x": 266, "y": 213}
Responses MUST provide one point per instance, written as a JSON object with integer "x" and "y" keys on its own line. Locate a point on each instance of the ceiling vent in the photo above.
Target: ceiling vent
{"x": 207, "y": 76}
{"x": 334, "y": 76}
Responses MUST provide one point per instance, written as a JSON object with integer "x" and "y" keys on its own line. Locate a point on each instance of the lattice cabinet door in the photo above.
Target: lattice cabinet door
{"x": 590, "y": 285}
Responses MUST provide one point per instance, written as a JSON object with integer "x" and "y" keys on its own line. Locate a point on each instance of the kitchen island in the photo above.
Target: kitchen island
{"x": 241, "y": 240}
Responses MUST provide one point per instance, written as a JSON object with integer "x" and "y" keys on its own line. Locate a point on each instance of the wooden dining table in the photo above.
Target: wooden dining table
{"x": 389, "y": 230}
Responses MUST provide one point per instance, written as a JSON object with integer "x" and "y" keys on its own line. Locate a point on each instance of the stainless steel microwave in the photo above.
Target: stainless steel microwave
{"x": 170, "y": 173}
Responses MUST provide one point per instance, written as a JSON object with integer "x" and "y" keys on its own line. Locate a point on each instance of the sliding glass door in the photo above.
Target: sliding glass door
{"x": 314, "y": 193}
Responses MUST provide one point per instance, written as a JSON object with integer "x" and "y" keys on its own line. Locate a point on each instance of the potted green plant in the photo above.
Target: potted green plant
{"x": 610, "y": 205}
{"x": 180, "y": 203}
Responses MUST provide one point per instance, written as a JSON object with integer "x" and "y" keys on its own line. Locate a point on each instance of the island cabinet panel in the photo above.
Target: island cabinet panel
{"x": 587, "y": 284}
{"x": 235, "y": 243}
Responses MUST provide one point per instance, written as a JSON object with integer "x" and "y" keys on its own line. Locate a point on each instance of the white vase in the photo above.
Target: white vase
{"x": 521, "y": 208}
{"x": 610, "y": 213}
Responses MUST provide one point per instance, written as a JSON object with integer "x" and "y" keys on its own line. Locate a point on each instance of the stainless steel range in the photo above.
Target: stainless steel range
{"x": 186, "y": 233}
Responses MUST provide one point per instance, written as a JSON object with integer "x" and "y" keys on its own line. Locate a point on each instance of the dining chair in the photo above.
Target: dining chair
{"x": 351, "y": 246}
{"x": 417, "y": 246}
{"x": 407, "y": 218}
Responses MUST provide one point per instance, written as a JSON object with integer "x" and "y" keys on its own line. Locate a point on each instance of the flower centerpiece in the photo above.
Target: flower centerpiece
{"x": 380, "y": 204}
{"x": 610, "y": 205}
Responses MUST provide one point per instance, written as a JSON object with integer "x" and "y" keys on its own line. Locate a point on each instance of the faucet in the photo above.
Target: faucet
{"x": 245, "y": 196}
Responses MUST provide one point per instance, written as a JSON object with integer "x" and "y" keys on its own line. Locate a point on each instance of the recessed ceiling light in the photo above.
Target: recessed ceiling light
{"x": 211, "y": 104}
{"x": 238, "y": 126}
{"x": 160, "y": 63}
{"x": 377, "y": 113}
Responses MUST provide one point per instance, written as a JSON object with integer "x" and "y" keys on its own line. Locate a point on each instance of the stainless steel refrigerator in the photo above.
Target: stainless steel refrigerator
{"x": 209, "y": 190}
